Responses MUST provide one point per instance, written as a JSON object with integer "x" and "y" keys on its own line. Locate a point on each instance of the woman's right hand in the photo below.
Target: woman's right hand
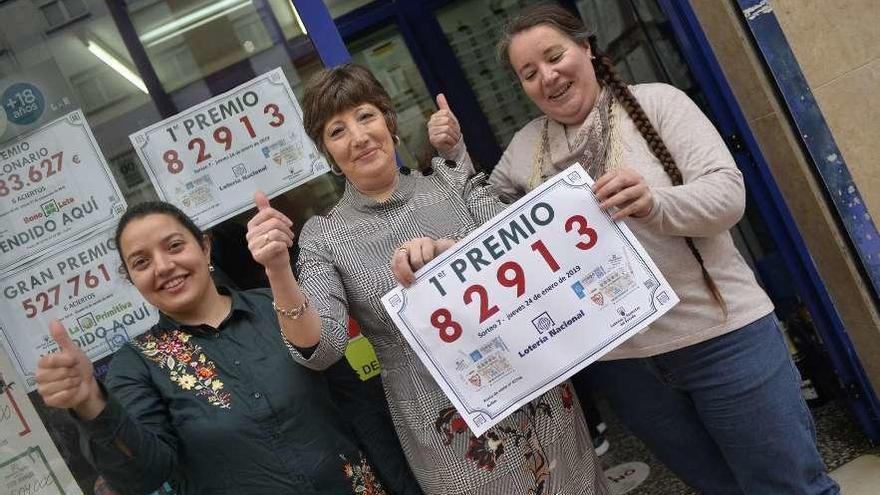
{"x": 414, "y": 254}
{"x": 444, "y": 133}
{"x": 66, "y": 379}
{"x": 269, "y": 235}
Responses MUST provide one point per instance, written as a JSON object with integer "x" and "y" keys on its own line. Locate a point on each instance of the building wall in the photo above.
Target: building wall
{"x": 793, "y": 173}
{"x": 837, "y": 45}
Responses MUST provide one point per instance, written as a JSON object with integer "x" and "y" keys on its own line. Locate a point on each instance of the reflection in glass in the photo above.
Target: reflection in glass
{"x": 636, "y": 36}
{"x": 115, "y": 64}
{"x": 196, "y": 48}
{"x": 341, "y": 7}
{"x": 61, "y": 12}
{"x": 473, "y": 29}
{"x": 188, "y": 40}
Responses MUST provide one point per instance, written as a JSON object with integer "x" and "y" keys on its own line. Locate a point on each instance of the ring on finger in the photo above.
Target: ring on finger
{"x": 403, "y": 249}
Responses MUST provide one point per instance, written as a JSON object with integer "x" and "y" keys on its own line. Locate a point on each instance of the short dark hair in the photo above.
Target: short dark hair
{"x": 141, "y": 210}
{"x": 338, "y": 89}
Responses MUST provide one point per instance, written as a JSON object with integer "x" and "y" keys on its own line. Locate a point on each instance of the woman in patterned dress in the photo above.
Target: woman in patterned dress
{"x": 343, "y": 270}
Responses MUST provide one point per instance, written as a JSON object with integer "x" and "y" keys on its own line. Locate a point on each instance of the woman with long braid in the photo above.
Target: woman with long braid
{"x": 710, "y": 387}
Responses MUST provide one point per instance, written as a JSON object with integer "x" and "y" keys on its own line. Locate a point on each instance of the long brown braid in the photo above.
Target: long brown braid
{"x": 561, "y": 19}
{"x": 608, "y": 77}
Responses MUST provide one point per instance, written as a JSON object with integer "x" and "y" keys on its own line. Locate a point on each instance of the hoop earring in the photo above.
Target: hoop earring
{"x": 335, "y": 169}
{"x": 211, "y": 268}
{"x": 396, "y": 140}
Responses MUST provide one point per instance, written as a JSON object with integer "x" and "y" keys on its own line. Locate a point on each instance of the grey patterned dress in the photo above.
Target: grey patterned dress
{"x": 543, "y": 448}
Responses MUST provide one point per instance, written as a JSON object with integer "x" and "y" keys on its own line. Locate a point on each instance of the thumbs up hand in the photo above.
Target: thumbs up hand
{"x": 444, "y": 133}
{"x": 66, "y": 378}
{"x": 269, "y": 235}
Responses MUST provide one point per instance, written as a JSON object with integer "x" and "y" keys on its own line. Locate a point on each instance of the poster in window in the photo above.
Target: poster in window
{"x": 54, "y": 186}
{"x": 210, "y": 159}
{"x": 85, "y": 289}
{"x": 29, "y": 461}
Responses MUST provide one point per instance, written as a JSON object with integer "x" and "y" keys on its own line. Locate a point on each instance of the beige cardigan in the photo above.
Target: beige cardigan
{"x": 709, "y": 203}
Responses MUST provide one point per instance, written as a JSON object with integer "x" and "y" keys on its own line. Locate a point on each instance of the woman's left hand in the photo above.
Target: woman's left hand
{"x": 414, "y": 254}
{"x": 444, "y": 132}
{"x": 626, "y": 190}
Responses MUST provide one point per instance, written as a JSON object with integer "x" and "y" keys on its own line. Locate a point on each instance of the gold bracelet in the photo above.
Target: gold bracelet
{"x": 295, "y": 313}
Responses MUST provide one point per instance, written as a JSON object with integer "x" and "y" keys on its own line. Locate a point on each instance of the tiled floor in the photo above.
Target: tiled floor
{"x": 840, "y": 441}
{"x": 860, "y": 476}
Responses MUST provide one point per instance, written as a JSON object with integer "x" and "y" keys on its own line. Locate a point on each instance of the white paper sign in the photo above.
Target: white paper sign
{"x": 210, "y": 159}
{"x": 29, "y": 461}
{"x": 54, "y": 185}
{"x": 84, "y": 288}
{"x": 528, "y": 299}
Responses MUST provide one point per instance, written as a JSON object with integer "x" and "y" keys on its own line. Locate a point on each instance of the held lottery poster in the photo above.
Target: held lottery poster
{"x": 85, "y": 289}
{"x": 531, "y": 297}
{"x": 54, "y": 185}
{"x": 210, "y": 159}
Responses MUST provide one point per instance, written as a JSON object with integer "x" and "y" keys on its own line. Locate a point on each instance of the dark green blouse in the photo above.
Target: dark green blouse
{"x": 227, "y": 410}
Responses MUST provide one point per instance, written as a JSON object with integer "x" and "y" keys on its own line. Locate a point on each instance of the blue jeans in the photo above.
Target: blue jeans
{"x": 725, "y": 415}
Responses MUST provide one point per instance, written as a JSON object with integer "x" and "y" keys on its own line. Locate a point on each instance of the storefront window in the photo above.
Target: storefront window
{"x": 629, "y": 31}
{"x": 61, "y": 12}
{"x": 196, "y": 49}
{"x": 125, "y": 66}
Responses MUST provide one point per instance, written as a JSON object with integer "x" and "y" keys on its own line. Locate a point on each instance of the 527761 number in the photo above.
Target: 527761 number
{"x": 44, "y": 301}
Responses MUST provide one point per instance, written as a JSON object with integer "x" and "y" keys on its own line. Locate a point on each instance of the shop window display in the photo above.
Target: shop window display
{"x": 69, "y": 55}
